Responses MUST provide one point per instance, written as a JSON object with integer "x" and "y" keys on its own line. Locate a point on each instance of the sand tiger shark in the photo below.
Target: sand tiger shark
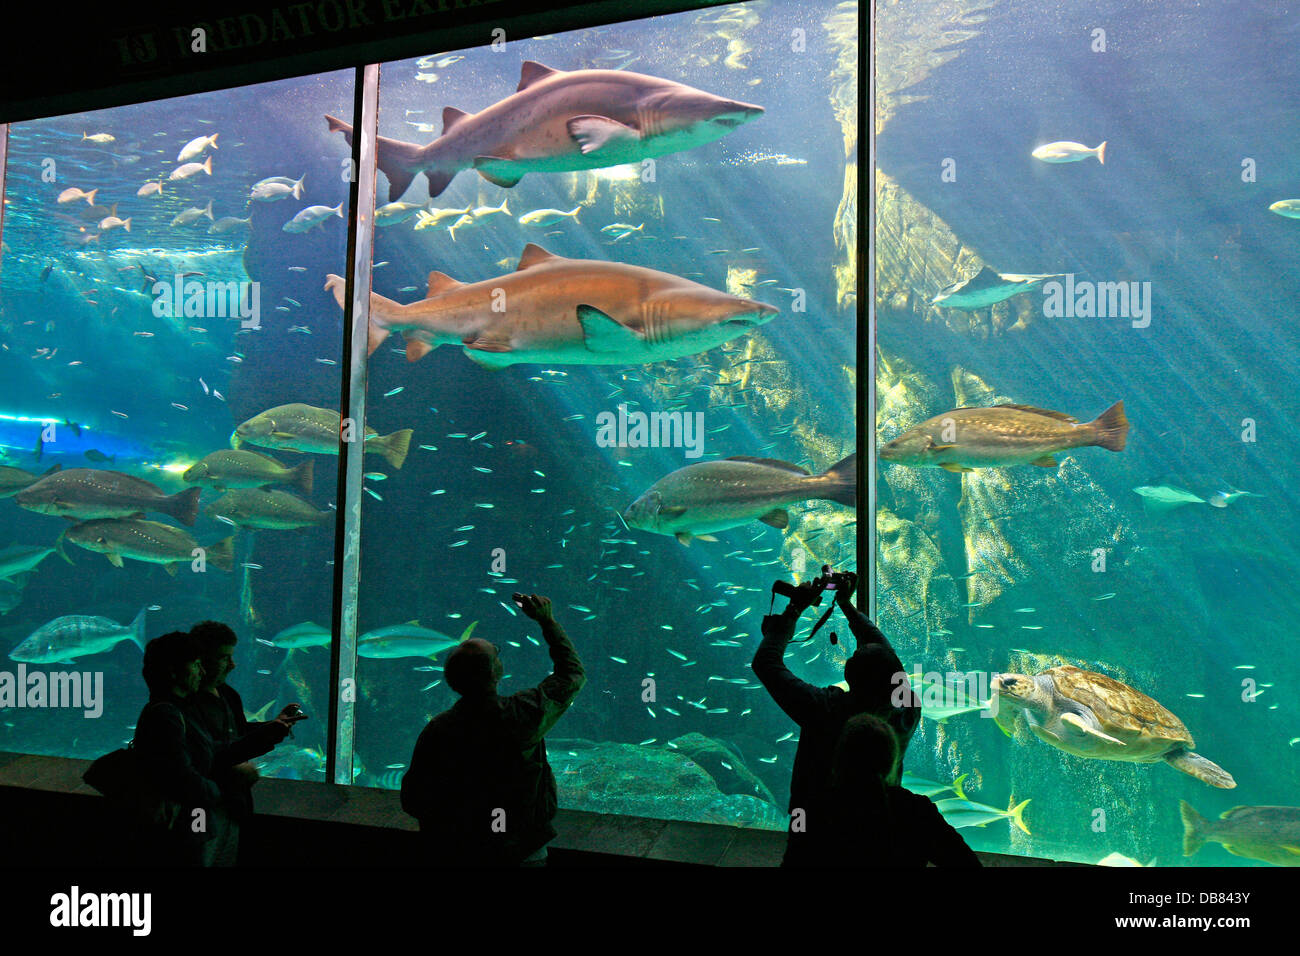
{"x": 986, "y": 288}
{"x": 570, "y": 311}
{"x": 560, "y": 121}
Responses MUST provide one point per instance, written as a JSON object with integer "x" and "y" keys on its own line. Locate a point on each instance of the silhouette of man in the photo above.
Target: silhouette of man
{"x": 872, "y": 674}
{"x": 479, "y": 782}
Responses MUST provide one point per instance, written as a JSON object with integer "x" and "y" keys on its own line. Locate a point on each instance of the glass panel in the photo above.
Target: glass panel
{"x": 103, "y": 368}
{"x": 530, "y": 447}
{"x": 1049, "y": 235}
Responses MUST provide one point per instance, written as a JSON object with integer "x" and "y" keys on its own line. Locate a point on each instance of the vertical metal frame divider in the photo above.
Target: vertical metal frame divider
{"x": 347, "y": 526}
{"x": 867, "y": 313}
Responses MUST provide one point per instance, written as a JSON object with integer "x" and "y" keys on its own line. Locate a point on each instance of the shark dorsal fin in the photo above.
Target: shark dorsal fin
{"x": 770, "y": 462}
{"x": 532, "y": 255}
{"x": 451, "y": 116}
{"x": 532, "y": 73}
{"x": 440, "y": 282}
{"x": 1059, "y": 416}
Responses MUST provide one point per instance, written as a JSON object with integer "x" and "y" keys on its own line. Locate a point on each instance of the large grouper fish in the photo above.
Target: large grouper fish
{"x": 716, "y": 495}
{"x": 968, "y": 438}
{"x": 565, "y": 311}
{"x": 561, "y": 121}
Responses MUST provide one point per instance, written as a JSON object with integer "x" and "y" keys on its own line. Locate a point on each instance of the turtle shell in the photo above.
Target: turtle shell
{"x": 1118, "y": 706}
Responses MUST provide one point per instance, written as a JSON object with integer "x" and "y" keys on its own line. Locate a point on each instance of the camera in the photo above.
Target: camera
{"x": 294, "y": 711}
{"x": 828, "y": 580}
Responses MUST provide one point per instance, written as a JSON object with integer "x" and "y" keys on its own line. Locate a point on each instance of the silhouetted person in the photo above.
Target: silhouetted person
{"x": 178, "y": 757}
{"x": 219, "y": 710}
{"x": 479, "y": 782}
{"x": 872, "y": 673}
{"x": 877, "y": 823}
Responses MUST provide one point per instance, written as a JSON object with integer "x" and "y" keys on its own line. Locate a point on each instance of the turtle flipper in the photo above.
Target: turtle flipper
{"x": 1074, "y": 720}
{"x": 1206, "y": 771}
{"x": 1046, "y": 735}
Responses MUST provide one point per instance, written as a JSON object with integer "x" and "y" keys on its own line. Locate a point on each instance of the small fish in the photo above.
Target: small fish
{"x": 1025, "y": 610}
{"x": 618, "y": 660}
{"x": 1067, "y": 152}
{"x": 1105, "y": 597}
{"x": 395, "y": 391}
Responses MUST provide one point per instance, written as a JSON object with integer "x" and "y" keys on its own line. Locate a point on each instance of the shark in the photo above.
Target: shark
{"x": 986, "y": 288}
{"x": 565, "y": 311}
{"x": 561, "y": 121}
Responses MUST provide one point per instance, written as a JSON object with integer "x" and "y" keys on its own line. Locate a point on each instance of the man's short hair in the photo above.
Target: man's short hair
{"x": 212, "y": 635}
{"x": 469, "y": 669}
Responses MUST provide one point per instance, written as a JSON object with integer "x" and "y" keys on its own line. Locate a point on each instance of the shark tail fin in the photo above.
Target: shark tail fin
{"x": 842, "y": 481}
{"x": 1193, "y": 822}
{"x": 1110, "y": 429}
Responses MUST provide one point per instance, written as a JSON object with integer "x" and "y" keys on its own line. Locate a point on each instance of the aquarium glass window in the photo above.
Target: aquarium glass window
{"x": 588, "y": 337}
{"x": 1085, "y": 294}
{"x": 163, "y": 293}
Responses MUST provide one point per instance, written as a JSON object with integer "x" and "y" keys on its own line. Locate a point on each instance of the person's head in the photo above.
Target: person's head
{"x": 866, "y": 752}
{"x": 473, "y": 668}
{"x": 172, "y": 665}
{"x": 217, "y": 645}
{"x": 873, "y": 671}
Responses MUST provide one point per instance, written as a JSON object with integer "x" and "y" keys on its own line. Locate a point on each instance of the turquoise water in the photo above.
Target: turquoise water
{"x": 505, "y": 486}
{"x": 1024, "y": 569}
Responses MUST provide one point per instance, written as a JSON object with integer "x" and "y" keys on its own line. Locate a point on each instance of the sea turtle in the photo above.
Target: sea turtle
{"x": 1091, "y": 715}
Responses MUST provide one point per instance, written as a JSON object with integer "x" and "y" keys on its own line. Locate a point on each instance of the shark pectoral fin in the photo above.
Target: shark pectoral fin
{"x": 1077, "y": 722}
{"x": 684, "y": 537}
{"x": 604, "y": 334}
{"x": 1047, "y": 461}
{"x": 114, "y": 559}
{"x": 499, "y": 172}
{"x": 954, "y": 467}
{"x": 777, "y": 518}
{"x": 598, "y": 132}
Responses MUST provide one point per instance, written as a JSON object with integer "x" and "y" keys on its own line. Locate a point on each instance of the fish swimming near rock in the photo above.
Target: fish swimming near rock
{"x": 1271, "y": 834}
{"x": 243, "y": 468}
{"x": 566, "y": 311}
{"x": 88, "y": 493}
{"x": 561, "y": 121}
{"x": 78, "y": 635}
{"x": 407, "y": 640}
{"x": 260, "y": 509}
{"x": 986, "y": 288}
{"x": 149, "y": 541}
{"x": 716, "y": 495}
{"x": 299, "y": 427}
{"x": 959, "y": 813}
{"x": 968, "y": 438}
{"x": 1067, "y": 152}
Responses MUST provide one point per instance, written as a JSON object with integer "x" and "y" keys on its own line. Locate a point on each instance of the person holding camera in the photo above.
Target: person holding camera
{"x": 479, "y": 781}
{"x": 873, "y": 673}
